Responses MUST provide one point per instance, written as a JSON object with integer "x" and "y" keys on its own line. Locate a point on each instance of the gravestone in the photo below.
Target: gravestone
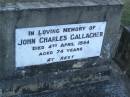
{"x": 52, "y": 45}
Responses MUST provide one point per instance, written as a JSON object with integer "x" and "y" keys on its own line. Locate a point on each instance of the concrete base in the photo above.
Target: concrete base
{"x": 91, "y": 82}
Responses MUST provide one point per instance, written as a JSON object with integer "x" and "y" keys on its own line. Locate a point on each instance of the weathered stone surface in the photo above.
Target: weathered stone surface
{"x": 91, "y": 82}
{"x": 69, "y": 2}
{"x": 30, "y": 14}
{"x": 55, "y": 81}
{"x": 57, "y": 77}
{"x": 123, "y": 52}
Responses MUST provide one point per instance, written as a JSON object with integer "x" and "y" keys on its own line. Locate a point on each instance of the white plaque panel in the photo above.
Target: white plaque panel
{"x": 43, "y": 45}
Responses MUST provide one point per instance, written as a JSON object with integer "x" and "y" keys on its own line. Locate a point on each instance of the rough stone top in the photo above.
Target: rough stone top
{"x": 33, "y": 4}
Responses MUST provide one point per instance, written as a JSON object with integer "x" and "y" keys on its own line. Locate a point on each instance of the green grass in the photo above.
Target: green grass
{"x": 126, "y": 13}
